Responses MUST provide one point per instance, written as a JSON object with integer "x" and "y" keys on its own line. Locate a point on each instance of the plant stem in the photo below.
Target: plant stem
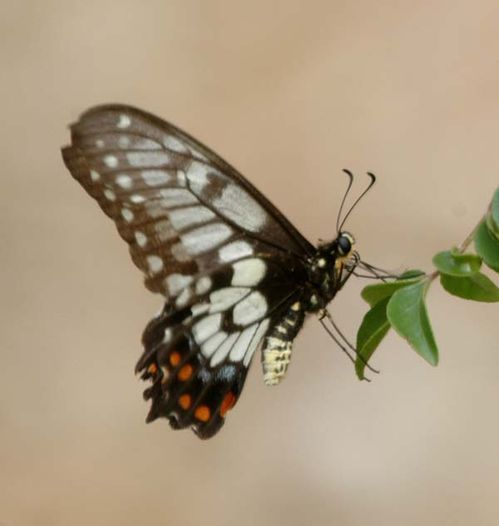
{"x": 463, "y": 245}
{"x": 466, "y": 243}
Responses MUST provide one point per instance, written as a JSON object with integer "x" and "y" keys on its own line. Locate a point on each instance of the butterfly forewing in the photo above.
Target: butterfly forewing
{"x": 227, "y": 261}
{"x": 162, "y": 187}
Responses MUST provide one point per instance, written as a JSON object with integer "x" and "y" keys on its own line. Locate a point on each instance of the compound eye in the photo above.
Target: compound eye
{"x": 344, "y": 245}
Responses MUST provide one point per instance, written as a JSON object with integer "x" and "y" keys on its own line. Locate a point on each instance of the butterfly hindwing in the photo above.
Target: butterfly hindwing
{"x": 228, "y": 262}
{"x": 197, "y": 355}
{"x": 189, "y": 388}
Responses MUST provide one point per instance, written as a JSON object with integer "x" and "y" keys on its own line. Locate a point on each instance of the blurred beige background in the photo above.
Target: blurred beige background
{"x": 289, "y": 92}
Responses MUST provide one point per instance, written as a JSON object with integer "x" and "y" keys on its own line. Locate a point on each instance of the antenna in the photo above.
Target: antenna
{"x": 373, "y": 180}
{"x": 350, "y": 182}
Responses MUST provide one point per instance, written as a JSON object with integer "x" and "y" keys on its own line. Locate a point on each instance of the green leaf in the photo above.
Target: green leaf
{"x": 493, "y": 216}
{"x": 373, "y": 294}
{"x": 456, "y": 264}
{"x": 495, "y": 206}
{"x": 407, "y": 314}
{"x": 487, "y": 246}
{"x": 372, "y": 330}
{"x": 492, "y": 227}
{"x": 411, "y": 273}
{"x": 477, "y": 287}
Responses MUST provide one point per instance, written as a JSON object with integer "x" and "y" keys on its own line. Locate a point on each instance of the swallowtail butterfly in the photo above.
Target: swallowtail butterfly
{"x": 236, "y": 275}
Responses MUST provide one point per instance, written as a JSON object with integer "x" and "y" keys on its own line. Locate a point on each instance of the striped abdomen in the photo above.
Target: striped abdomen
{"x": 276, "y": 351}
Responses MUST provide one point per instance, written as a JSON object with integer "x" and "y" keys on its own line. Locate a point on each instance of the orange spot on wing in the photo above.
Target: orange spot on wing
{"x": 175, "y": 358}
{"x": 152, "y": 369}
{"x": 202, "y": 413}
{"x": 185, "y": 401}
{"x": 227, "y": 403}
{"x": 185, "y": 372}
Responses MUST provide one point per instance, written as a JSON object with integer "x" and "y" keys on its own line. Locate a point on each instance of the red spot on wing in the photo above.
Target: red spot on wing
{"x": 227, "y": 403}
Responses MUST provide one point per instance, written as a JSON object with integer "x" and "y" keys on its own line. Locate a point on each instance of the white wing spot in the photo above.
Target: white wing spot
{"x": 250, "y": 309}
{"x": 141, "y": 238}
{"x": 179, "y": 253}
{"x": 124, "y": 141}
{"x": 184, "y": 297}
{"x": 206, "y": 327}
{"x": 239, "y": 349}
{"x": 166, "y": 375}
{"x": 176, "y": 197}
{"x": 224, "y": 349}
{"x": 167, "y": 336}
{"x": 127, "y": 215}
{"x": 181, "y": 178}
{"x": 155, "y": 264}
{"x": 155, "y": 177}
{"x": 212, "y": 344}
{"x": 197, "y": 174}
{"x": 174, "y": 144}
{"x": 176, "y": 282}
{"x": 95, "y": 176}
{"x": 238, "y": 205}
{"x": 109, "y": 194}
{"x": 164, "y": 230}
{"x": 111, "y": 161}
{"x": 200, "y": 308}
{"x": 203, "y": 285}
{"x": 138, "y": 159}
{"x": 192, "y": 215}
{"x": 146, "y": 144}
{"x": 155, "y": 209}
{"x": 222, "y": 299}
{"x": 136, "y": 198}
{"x": 235, "y": 250}
{"x": 205, "y": 238}
{"x": 125, "y": 181}
{"x": 257, "y": 338}
{"x": 248, "y": 272}
{"x": 99, "y": 143}
{"x": 124, "y": 121}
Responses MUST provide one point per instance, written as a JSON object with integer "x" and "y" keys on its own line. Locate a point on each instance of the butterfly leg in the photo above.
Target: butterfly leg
{"x": 340, "y": 336}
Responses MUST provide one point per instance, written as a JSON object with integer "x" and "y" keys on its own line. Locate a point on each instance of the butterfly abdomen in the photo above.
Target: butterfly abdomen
{"x": 276, "y": 352}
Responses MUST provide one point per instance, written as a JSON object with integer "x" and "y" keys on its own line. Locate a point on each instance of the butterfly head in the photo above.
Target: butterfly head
{"x": 343, "y": 251}
{"x": 335, "y": 255}
{"x": 344, "y": 244}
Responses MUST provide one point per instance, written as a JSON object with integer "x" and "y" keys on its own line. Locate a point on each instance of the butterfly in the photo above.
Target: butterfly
{"x": 236, "y": 275}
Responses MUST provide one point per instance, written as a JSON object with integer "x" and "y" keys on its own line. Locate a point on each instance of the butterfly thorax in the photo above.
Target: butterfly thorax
{"x": 327, "y": 270}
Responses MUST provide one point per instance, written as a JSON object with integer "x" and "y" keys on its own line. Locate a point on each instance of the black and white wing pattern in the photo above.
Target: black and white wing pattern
{"x": 227, "y": 261}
